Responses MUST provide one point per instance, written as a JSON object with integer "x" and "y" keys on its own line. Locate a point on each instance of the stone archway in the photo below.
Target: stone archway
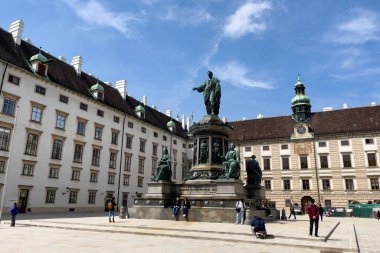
{"x": 305, "y": 200}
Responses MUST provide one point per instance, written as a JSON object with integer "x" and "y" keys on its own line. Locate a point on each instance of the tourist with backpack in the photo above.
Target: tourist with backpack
{"x": 111, "y": 209}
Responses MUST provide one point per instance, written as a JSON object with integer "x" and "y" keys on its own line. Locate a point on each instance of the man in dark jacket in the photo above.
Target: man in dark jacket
{"x": 13, "y": 211}
{"x": 258, "y": 227}
{"x": 313, "y": 212}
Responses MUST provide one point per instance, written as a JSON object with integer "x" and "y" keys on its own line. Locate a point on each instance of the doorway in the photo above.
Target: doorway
{"x": 305, "y": 201}
{"x": 23, "y": 200}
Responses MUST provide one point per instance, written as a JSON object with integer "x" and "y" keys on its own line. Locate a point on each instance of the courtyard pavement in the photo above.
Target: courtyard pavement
{"x": 91, "y": 232}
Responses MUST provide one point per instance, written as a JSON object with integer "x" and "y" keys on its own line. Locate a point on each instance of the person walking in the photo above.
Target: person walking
{"x": 186, "y": 207}
{"x": 292, "y": 211}
{"x": 111, "y": 209}
{"x": 321, "y": 211}
{"x": 240, "y": 211}
{"x": 13, "y": 212}
{"x": 313, "y": 212}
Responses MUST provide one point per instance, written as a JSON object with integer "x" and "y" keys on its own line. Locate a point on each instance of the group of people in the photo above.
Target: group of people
{"x": 185, "y": 207}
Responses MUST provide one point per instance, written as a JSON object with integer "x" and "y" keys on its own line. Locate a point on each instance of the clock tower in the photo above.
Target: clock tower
{"x": 301, "y": 106}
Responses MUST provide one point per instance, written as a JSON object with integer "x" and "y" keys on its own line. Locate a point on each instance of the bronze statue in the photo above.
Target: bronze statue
{"x": 254, "y": 173}
{"x": 163, "y": 171}
{"x": 211, "y": 93}
{"x": 203, "y": 152}
{"x": 231, "y": 166}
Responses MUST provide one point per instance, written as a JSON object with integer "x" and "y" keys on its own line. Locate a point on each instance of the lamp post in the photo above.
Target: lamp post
{"x": 171, "y": 126}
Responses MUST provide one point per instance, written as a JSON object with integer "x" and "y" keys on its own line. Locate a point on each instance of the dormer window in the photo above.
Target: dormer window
{"x": 140, "y": 111}
{"x": 39, "y": 64}
{"x": 97, "y": 91}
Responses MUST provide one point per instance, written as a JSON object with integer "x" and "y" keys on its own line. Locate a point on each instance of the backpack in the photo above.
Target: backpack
{"x": 110, "y": 206}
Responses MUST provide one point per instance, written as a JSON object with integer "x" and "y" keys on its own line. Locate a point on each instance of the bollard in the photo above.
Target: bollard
{"x": 122, "y": 212}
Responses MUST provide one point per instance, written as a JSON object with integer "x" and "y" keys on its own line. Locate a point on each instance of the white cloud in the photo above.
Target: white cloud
{"x": 94, "y": 13}
{"x": 186, "y": 16}
{"x": 360, "y": 73}
{"x": 247, "y": 19}
{"x": 362, "y": 27}
{"x": 239, "y": 76}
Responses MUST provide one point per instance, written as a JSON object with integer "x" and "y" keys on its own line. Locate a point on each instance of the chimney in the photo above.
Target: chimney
{"x": 373, "y": 103}
{"x": 154, "y": 107}
{"x": 188, "y": 123}
{"x": 168, "y": 113}
{"x": 29, "y": 41}
{"x": 183, "y": 121}
{"x": 345, "y": 106}
{"x": 62, "y": 58}
{"x": 121, "y": 86}
{"x": 260, "y": 116}
{"x": 224, "y": 119}
{"x": 77, "y": 64}
{"x": 326, "y": 109}
{"x": 145, "y": 100}
{"x": 108, "y": 83}
{"x": 16, "y": 29}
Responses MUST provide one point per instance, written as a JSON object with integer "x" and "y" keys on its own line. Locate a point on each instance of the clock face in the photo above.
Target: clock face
{"x": 301, "y": 129}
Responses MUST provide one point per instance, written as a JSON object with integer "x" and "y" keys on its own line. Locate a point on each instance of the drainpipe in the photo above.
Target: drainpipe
{"x": 121, "y": 162}
{"x": 316, "y": 173}
{"x": 2, "y": 79}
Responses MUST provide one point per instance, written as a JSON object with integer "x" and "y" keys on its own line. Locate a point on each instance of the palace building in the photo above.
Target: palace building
{"x": 69, "y": 142}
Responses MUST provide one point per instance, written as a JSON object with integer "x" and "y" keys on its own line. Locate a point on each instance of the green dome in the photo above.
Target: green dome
{"x": 97, "y": 86}
{"x": 139, "y": 108}
{"x": 38, "y": 57}
{"x": 300, "y": 99}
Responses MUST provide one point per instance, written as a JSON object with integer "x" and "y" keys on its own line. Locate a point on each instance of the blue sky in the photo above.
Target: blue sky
{"x": 163, "y": 48}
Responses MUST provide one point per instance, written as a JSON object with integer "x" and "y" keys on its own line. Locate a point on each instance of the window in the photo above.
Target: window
{"x": 374, "y": 183}
{"x": 73, "y": 197}
{"x": 326, "y": 184}
{"x": 36, "y": 114}
{"x": 129, "y": 141}
{"x": 183, "y": 145}
{"x": 247, "y": 149}
{"x": 98, "y": 132}
{"x": 154, "y": 166}
{"x": 174, "y": 170}
{"x": 141, "y": 164}
{"x": 128, "y": 160}
{"x": 174, "y": 155}
{"x": 78, "y": 152}
{"x": 345, "y": 143}
{"x": 5, "y": 134}
{"x": 83, "y": 106}
{"x": 324, "y": 161}
{"x": 346, "y": 160}
{"x": 94, "y": 177}
{"x": 114, "y": 137}
{"x": 175, "y": 142}
{"x": 266, "y": 162}
{"x": 2, "y": 166}
{"x": 369, "y": 141}
{"x": 111, "y": 178}
{"x": 81, "y": 127}
{"x": 100, "y": 113}
{"x": 61, "y": 120}
{"x": 322, "y": 144}
{"x": 116, "y": 119}
{"x": 113, "y": 157}
{"x": 50, "y": 196}
{"x": 143, "y": 130}
{"x": 191, "y": 145}
{"x": 53, "y": 172}
{"x": 303, "y": 162}
{"x": 154, "y": 150}
{"x": 305, "y": 184}
{"x": 63, "y": 99}
{"x": 286, "y": 184}
{"x": 40, "y": 90}
{"x": 57, "y": 149}
{"x": 95, "y": 156}
{"x": 285, "y": 163}
{"x": 327, "y": 202}
{"x": 130, "y": 124}
{"x": 9, "y": 106}
{"x": 284, "y": 147}
{"x": 75, "y": 175}
{"x": 91, "y": 197}
{"x": 142, "y": 145}
{"x": 126, "y": 180}
{"x": 31, "y": 144}
{"x": 349, "y": 184}
{"x": 27, "y": 170}
{"x": 267, "y": 184}
{"x": 13, "y": 79}
{"x": 164, "y": 137}
{"x": 371, "y": 159}
{"x": 266, "y": 148}
{"x": 140, "y": 181}
{"x": 155, "y": 134}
